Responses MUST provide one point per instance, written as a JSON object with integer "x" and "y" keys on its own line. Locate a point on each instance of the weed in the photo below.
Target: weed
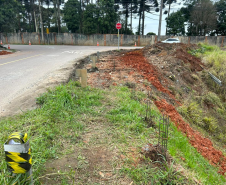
{"x": 195, "y": 77}
{"x": 173, "y": 90}
{"x": 203, "y": 48}
{"x": 192, "y": 112}
{"x": 210, "y": 124}
{"x": 211, "y": 98}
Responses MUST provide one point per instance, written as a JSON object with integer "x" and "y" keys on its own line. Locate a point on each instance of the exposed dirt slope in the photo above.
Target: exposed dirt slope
{"x": 170, "y": 73}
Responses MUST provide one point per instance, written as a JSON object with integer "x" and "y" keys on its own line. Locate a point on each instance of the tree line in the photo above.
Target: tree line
{"x": 198, "y": 18}
{"x": 76, "y": 16}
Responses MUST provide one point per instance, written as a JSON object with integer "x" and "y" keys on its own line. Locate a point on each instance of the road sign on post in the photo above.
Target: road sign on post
{"x": 118, "y": 26}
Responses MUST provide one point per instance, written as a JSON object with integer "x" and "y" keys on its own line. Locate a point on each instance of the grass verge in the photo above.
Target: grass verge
{"x": 61, "y": 122}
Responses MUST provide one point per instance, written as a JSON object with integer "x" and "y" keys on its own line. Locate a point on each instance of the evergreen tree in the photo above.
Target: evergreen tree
{"x": 90, "y": 17}
{"x": 175, "y": 24}
{"x": 9, "y": 15}
{"x": 107, "y": 16}
{"x": 72, "y": 15}
{"x": 221, "y": 21}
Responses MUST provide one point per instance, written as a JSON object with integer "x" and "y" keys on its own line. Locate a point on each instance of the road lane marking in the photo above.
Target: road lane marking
{"x": 19, "y": 60}
{"x": 73, "y": 52}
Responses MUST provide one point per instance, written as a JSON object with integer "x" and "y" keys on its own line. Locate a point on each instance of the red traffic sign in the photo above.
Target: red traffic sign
{"x": 118, "y": 26}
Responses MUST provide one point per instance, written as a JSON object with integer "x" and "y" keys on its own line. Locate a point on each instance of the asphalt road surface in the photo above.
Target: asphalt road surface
{"x": 23, "y": 70}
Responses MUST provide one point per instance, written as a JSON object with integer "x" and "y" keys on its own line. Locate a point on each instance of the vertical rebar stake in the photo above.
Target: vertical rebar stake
{"x": 159, "y": 130}
{"x": 167, "y": 132}
{"x": 163, "y": 133}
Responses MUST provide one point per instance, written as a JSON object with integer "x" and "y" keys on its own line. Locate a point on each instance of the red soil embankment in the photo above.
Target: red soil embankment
{"x": 202, "y": 144}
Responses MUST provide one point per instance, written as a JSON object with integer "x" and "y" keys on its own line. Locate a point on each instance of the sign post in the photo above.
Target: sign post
{"x": 118, "y": 26}
{"x": 47, "y": 31}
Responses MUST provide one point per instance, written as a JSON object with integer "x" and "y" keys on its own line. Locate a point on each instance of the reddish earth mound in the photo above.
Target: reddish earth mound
{"x": 177, "y": 50}
{"x": 135, "y": 59}
{"x": 187, "y": 58}
{"x": 5, "y": 52}
{"x": 203, "y": 145}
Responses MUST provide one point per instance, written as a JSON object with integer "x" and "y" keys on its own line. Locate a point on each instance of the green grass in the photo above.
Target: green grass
{"x": 212, "y": 102}
{"x": 56, "y": 120}
{"x": 127, "y": 115}
{"x": 203, "y": 48}
{"x": 61, "y": 117}
{"x": 179, "y": 147}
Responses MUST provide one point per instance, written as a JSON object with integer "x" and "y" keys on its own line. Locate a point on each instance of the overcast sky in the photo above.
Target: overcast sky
{"x": 152, "y": 20}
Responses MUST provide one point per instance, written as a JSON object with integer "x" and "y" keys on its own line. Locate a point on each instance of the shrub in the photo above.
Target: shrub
{"x": 212, "y": 98}
{"x": 210, "y": 124}
{"x": 192, "y": 113}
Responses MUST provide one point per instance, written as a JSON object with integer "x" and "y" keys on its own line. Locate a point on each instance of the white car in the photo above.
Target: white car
{"x": 171, "y": 40}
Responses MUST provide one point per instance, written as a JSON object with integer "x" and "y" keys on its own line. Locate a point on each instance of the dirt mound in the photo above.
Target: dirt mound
{"x": 148, "y": 71}
{"x": 202, "y": 144}
{"x": 5, "y": 52}
{"x": 195, "y": 63}
{"x": 169, "y": 48}
{"x": 176, "y": 50}
{"x": 155, "y": 153}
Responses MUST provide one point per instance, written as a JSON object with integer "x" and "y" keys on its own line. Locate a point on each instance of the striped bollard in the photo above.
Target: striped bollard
{"x": 18, "y": 154}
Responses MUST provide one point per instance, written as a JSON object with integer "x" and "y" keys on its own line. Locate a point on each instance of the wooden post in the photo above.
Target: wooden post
{"x": 104, "y": 39}
{"x": 39, "y": 39}
{"x": 22, "y": 38}
{"x": 222, "y": 42}
{"x": 71, "y": 39}
{"x": 138, "y": 41}
{"x": 83, "y": 77}
{"x": 94, "y": 64}
{"x": 55, "y": 39}
{"x": 155, "y": 39}
{"x": 94, "y": 59}
{"x": 98, "y": 56}
{"x": 121, "y": 39}
{"x": 78, "y": 72}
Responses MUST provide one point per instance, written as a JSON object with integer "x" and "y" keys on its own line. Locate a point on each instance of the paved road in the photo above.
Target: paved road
{"x": 22, "y": 70}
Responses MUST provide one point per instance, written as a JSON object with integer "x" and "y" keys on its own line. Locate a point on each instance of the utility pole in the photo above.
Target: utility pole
{"x": 41, "y": 20}
{"x": 36, "y": 27}
{"x": 58, "y": 16}
{"x": 170, "y": 2}
{"x": 131, "y": 17}
{"x": 160, "y": 20}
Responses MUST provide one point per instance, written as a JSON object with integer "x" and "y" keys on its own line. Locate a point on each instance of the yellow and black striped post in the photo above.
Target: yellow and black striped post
{"x": 18, "y": 154}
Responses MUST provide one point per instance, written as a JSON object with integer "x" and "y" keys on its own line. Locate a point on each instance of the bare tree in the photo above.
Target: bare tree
{"x": 203, "y": 18}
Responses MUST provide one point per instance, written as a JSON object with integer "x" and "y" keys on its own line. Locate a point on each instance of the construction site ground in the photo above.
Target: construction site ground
{"x": 167, "y": 72}
{"x": 159, "y": 69}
